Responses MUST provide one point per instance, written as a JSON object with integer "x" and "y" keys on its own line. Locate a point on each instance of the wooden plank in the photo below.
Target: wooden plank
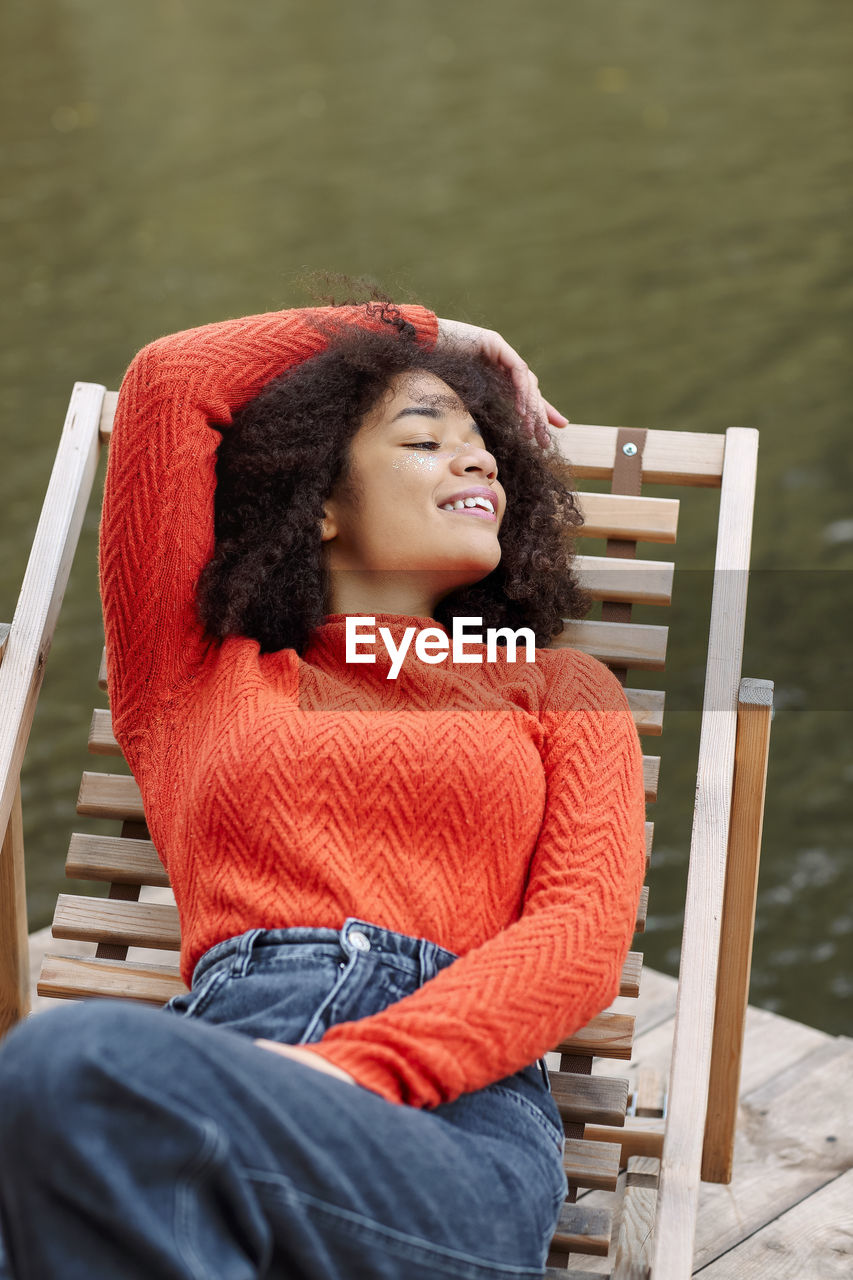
{"x": 130, "y": 924}
{"x": 116, "y": 795}
{"x": 108, "y": 413}
{"x": 78, "y": 977}
{"x": 651, "y": 776}
{"x": 646, "y": 705}
{"x": 114, "y": 859}
{"x": 752, "y": 745}
{"x": 647, "y": 709}
{"x": 14, "y": 937}
{"x": 669, "y": 457}
{"x": 622, "y": 644}
{"x": 591, "y": 1164}
{"x": 632, "y": 969}
{"x": 812, "y": 1241}
{"x": 102, "y": 740}
{"x": 648, "y": 1098}
{"x": 581, "y": 1230}
{"x": 589, "y": 1099}
{"x": 637, "y": 1138}
{"x": 558, "y": 1273}
{"x": 110, "y": 795}
{"x": 627, "y": 517}
{"x": 629, "y": 580}
{"x": 608, "y": 1035}
{"x": 632, "y": 1258}
{"x": 45, "y": 579}
{"x": 642, "y": 910}
{"x": 688, "y": 1081}
{"x": 794, "y": 1135}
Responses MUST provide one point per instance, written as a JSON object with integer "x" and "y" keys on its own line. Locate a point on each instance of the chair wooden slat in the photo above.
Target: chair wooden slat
{"x": 583, "y": 1229}
{"x": 114, "y": 859}
{"x": 631, "y": 973}
{"x": 108, "y": 413}
{"x": 646, "y": 708}
{"x": 621, "y": 644}
{"x": 624, "y": 516}
{"x": 669, "y": 457}
{"x": 590, "y": 1099}
{"x": 592, "y": 1164}
{"x": 81, "y": 977}
{"x": 642, "y": 910}
{"x": 102, "y": 740}
{"x": 110, "y": 795}
{"x": 607, "y": 1035}
{"x": 128, "y": 924}
{"x": 630, "y": 581}
{"x": 116, "y": 795}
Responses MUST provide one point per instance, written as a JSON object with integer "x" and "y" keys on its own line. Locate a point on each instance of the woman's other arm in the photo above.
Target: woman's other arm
{"x": 157, "y": 528}
{"x": 508, "y": 1002}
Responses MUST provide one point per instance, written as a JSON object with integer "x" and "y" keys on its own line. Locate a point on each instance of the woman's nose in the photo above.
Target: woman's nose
{"x": 472, "y": 455}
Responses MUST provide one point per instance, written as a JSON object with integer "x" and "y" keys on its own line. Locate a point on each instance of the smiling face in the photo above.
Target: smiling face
{"x": 391, "y": 544}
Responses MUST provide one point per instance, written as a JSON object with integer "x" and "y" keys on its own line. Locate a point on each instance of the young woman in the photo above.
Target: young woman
{"x": 404, "y": 872}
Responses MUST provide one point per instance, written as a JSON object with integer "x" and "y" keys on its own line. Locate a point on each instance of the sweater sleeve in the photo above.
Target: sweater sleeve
{"x": 157, "y": 530}
{"x": 506, "y": 1003}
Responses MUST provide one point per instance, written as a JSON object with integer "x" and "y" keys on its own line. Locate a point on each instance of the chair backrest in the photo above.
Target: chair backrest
{"x": 139, "y": 912}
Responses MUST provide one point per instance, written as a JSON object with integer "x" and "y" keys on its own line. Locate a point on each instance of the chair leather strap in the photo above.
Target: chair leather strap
{"x": 627, "y": 479}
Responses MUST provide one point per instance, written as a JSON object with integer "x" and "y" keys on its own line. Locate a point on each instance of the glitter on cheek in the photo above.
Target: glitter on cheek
{"x": 419, "y": 460}
{"x": 416, "y": 462}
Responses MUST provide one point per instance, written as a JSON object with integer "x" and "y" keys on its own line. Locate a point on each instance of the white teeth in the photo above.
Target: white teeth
{"x": 461, "y": 503}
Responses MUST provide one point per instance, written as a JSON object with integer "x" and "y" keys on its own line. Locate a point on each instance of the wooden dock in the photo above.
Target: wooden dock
{"x": 788, "y": 1212}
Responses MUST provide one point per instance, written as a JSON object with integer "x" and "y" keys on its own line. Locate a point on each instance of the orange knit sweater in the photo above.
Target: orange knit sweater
{"x": 495, "y": 809}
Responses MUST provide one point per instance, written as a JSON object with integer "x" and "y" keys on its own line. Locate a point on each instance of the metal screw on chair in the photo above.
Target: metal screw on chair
{"x": 629, "y": 449}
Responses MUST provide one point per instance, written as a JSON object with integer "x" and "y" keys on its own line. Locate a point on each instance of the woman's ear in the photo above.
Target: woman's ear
{"x": 329, "y": 528}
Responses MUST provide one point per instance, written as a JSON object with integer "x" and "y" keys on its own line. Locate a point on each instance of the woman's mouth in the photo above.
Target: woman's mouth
{"x": 482, "y": 507}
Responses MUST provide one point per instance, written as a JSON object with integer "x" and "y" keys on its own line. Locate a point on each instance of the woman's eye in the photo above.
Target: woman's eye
{"x": 423, "y": 444}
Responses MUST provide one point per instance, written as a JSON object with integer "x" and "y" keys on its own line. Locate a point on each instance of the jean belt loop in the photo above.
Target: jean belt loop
{"x": 243, "y": 953}
{"x": 543, "y": 1067}
{"x": 426, "y": 964}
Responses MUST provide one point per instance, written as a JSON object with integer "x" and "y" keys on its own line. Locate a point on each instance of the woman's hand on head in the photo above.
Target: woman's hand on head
{"x": 302, "y": 1054}
{"x": 535, "y": 410}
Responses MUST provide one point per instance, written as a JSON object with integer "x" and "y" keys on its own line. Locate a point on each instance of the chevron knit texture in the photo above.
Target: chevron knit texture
{"x": 496, "y": 809}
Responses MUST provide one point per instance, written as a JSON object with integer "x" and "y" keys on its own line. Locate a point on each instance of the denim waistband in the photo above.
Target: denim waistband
{"x": 355, "y": 935}
{"x": 236, "y": 953}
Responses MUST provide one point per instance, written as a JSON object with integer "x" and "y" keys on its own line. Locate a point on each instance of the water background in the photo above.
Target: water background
{"x": 650, "y": 201}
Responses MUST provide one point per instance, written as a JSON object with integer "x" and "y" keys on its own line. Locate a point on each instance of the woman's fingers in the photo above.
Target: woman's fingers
{"x": 303, "y": 1054}
{"x": 535, "y": 411}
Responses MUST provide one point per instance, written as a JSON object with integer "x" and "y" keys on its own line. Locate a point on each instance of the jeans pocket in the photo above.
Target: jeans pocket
{"x": 191, "y": 1004}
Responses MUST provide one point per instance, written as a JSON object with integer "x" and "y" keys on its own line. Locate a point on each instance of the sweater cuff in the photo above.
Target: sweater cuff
{"x": 369, "y": 1075}
{"x": 425, "y": 323}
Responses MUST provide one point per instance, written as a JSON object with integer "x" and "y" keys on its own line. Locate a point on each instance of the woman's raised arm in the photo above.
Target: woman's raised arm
{"x": 157, "y": 529}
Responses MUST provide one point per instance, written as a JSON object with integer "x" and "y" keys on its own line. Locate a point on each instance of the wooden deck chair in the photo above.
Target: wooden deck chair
{"x": 673, "y": 1135}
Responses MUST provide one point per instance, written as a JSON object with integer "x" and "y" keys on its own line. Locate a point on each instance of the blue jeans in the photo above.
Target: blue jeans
{"x": 139, "y": 1143}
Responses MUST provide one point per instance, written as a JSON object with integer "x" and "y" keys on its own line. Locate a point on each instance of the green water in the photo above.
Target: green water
{"x": 651, "y": 201}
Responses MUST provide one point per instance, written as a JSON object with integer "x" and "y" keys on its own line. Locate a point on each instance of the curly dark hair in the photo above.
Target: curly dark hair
{"x": 288, "y": 448}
